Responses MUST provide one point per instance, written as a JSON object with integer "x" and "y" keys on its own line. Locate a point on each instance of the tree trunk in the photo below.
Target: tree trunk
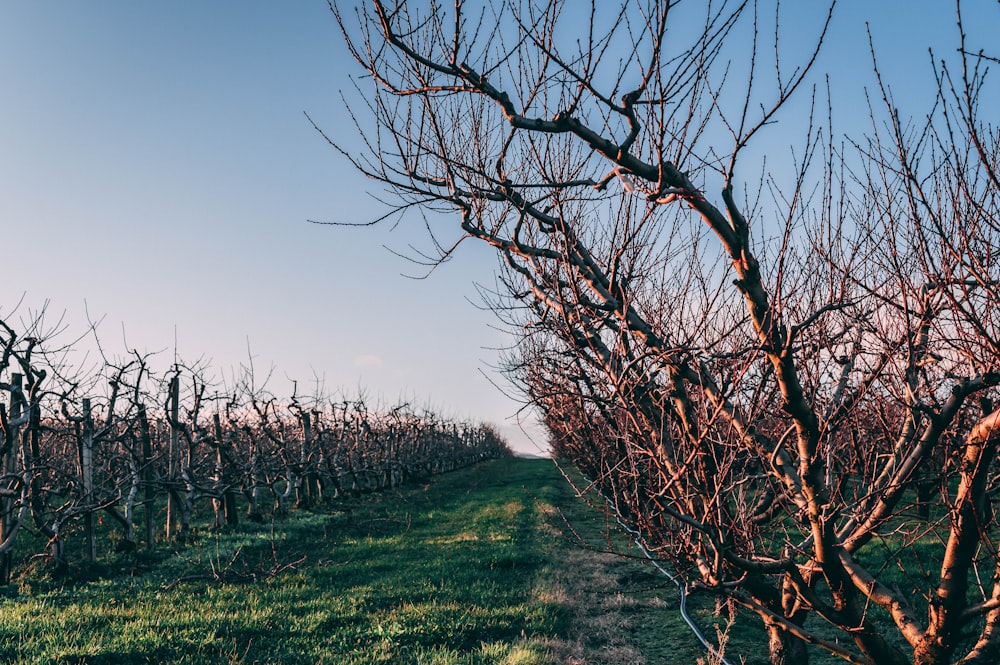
{"x": 931, "y": 652}
{"x": 87, "y": 478}
{"x": 10, "y": 468}
{"x": 253, "y": 496}
{"x": 219, "y": 485}
{"x": 925, "y": 495}
{"x": 785, "y": 648}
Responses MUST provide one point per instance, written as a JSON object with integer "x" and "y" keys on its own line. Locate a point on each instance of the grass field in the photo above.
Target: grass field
{"x": 474, "y": 567}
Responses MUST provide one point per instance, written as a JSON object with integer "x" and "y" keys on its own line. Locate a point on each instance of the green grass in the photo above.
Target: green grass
{"x": 479, "y": 566}
{"x": 639, "y": 601}
{"x": 406, "y": 576}
{"x": 449, "y": 572}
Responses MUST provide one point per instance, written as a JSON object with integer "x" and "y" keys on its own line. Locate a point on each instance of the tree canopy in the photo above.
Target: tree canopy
{"x": 785, "y": 382}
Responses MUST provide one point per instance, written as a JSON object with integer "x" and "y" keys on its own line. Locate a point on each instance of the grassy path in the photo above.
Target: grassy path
{"x": 474, "y": 567}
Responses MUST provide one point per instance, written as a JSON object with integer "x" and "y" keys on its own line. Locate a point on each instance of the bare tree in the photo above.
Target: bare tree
{"x": 20, "y": 387}
{"x": 787, "y": 386}
{"x": 102, "y": 440}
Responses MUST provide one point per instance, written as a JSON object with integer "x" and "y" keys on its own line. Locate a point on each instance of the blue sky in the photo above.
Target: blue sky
{"x": 155, "y": 164}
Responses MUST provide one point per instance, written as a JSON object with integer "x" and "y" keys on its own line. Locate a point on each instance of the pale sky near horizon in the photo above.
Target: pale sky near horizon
{"x": 157, "y": 171}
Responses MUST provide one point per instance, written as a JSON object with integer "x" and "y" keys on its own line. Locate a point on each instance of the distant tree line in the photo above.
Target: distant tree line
{"x": 156, "y": 453}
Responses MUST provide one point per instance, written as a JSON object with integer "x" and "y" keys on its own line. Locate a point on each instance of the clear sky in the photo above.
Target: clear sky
{"x": 157, "y": 170}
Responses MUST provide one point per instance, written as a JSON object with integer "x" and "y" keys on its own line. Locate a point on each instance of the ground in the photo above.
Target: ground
{"x": 500, "y": 563}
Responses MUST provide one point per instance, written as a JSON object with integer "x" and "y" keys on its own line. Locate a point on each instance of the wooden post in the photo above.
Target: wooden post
{"x": 149, "y": 492}
{"x": 172, "y": 448}
{"x": 306, "y": 475}
{"x": 253, "y": 510}
{"x": 87, "y": 478}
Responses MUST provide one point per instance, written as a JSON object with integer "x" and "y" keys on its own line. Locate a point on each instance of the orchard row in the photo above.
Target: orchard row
{"x": 123, "y": 440}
